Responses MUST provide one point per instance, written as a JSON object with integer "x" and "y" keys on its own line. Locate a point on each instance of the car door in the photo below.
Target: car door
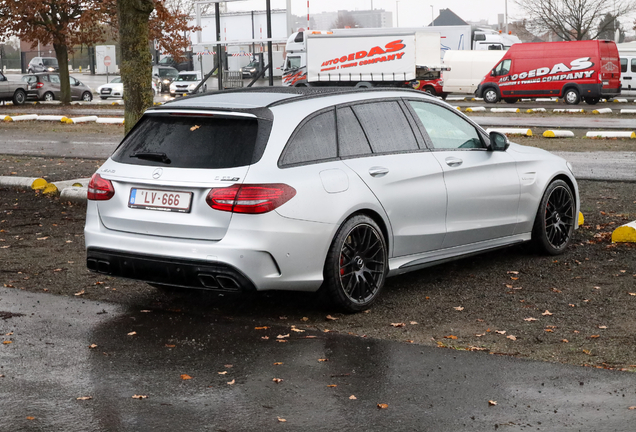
{"x": 76, "y": 88}
{"x": 482, "y": 185}
{"x": 378, "y": 142}
{"x": 4, "y": 86}
{"x": 55, "y": 86}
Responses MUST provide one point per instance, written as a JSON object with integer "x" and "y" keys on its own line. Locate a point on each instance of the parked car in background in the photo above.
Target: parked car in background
{"x": 47, "y": 87}
{"x": 15, "y": 91}
{"x": 186, "y": 83}
{"x": 431, "y": 83}
{"x": 115, "y": 89}
{"x": 251, "y": 70}
{"x": 184, "y": 65}
{"x": 316, "y": 188}
{"x": 43, "y": 64}
{"x": 163, "y": 77}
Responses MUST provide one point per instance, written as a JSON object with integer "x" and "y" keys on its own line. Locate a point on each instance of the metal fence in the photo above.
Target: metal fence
{"x": 232, "y": 79}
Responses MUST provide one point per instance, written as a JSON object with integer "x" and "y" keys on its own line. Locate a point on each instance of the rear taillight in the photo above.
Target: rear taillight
{"x": 39, "y": 85}
{"x": 100, "y": 189}
{"x": 250, "y": 198}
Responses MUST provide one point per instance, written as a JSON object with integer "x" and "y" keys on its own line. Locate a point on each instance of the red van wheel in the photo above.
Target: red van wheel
{"x": 491, "y": 95}
{"x": 571, "y": 97}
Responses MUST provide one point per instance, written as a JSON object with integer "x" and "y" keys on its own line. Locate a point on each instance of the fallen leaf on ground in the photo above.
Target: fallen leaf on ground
{"x": 450, "y": 337}
{"x": 632, "y": 407}
{"x": 492, "y": 402}
{"x": 547, "y": 312}
{"x": 413, "y": 322}
{"x": 42, "y": 238}
{"x": 383, "y": 406}
{"x": 297, "y": 330}
{"x": 277, "y": 380}
{"x": 595, "y": 336}
{"x": 170, "y": 346}
{"x": 511, "y": 337}
{"x": 139, "y": 397}
{"x": 323, "y": 360}
{"x": 84, "y": 398}
{"x": 82, "y": 292}
{"x": 329, "y": 317}
{"x": 401, "y": 324}
{"x": 602, "y": 327}
{"x": 92, "y": 346}
{"x": 278, "y": 363}
{"x": 132, "y": 333}
{"x": 265, "y": 337}
{"x": 261, "y": 328}
{"x": 30, "y": 418}
{"x": 222, "y": 373}
{"x": 555, "y": 290}
{"x": 588, "y": 352}
{"x": 282, "y": 336}
{"x": 282, "y": 420}
{"x": 500, "y": 331}
{"x": 513, "y": 272}
{"x": 231, "y": 382}
{"x": 480, "y": 334}
{"x": 530, "y": 319}
{"x": 632, "y": 294}
{"x": 458, "y": 308}
{"x": 304, "y": 319}
{"x": 572, "y": 305}
{"x": 564, "y": 340}
{"x": 6, "y": 342}
{"x": 281, "y": 340}
{"x": 352, "y": 397}
{"x": 549, "y": 330}
{"x": 410, "y": 341}
{"x": 332, "y": 385}
{"x": 185, "y": 377}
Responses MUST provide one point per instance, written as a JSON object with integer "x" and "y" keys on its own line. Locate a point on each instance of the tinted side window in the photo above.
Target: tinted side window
{"x": 351, "y": 138}
{"x": 72, "y": 81}
{"x": 54, "y": 79}
{"x": 634, "y": 65}
{"x": 623, "y": 65}
{"x": 446, "y": 129}
{"x": 315, "y": 140}
{"x": 503, "y": 68}
{"x": 386, "y": 127}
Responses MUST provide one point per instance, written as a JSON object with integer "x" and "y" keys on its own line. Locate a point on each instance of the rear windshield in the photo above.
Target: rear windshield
{"x": 194, "y": 142}
{"x": 170, "y": 73}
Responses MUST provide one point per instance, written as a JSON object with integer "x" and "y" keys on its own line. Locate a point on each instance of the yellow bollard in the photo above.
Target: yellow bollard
{"x": 80, "y": 69}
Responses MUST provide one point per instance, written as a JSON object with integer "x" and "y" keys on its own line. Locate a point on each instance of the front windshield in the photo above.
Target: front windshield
{"x": 49, "y": 62}
{"x": 188, "y": 77}
{"x": 165, "y": 61}
{"x": 169, "y": 73}
{"x": 252, "y": 64}
{"x": 116, "y": 80}
{"x": 293, "y": 62}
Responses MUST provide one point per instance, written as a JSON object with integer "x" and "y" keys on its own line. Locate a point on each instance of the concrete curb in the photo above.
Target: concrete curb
{"x": 69, "y": 190}
{"x": 611, "y": 134}
{"x": 558, "y": 134}
{"x": 602, "y": 111}
{"x": 64, "y": 119}
{"x": 512, "y": 131}
{"x": 625, "y": 233}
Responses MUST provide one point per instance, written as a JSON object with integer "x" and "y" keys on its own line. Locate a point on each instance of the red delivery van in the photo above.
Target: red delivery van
{"x": 576, "y": 70}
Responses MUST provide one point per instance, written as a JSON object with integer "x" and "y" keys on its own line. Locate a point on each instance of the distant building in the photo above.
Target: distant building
{"x": 376, "y": 18}
{"x": 447, "y": 17}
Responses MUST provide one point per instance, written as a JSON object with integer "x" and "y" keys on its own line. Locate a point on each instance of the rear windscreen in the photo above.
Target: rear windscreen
{"x": 194, "y": 142}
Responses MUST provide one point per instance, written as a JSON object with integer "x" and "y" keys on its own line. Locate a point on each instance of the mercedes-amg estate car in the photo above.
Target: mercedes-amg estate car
{"x": 316, "y": 189}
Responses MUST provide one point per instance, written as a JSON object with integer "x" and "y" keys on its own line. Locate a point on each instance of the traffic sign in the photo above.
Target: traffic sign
{"x": 107, "y": 61}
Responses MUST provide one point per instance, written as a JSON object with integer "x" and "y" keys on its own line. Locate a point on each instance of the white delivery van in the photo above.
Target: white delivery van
{"x": 627, "y": 54}
{"x": 467, "y": 68}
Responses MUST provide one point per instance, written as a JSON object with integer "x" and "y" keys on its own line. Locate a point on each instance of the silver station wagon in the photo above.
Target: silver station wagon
{"x": 316, "y": 189}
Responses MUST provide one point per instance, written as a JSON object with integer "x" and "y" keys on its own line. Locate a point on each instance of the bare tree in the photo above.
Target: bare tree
{"x": 345, "y": 20}
{"x": 574, "y": 19}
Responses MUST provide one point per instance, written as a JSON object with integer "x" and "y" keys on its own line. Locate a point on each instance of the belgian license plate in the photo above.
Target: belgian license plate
{"x": 152, "y": 199}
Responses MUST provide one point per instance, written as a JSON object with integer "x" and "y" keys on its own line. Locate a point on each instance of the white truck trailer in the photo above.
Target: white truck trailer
{"x": 361, "y": 59}
{"x": 467, "y": 68}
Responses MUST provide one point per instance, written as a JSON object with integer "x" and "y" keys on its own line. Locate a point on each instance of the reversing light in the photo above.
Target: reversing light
{"x": 250, "y": 198}
{"x": 100, "y": 189}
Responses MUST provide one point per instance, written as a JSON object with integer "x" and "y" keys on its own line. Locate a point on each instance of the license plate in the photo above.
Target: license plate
{"x": 152, "y": 199}
{"x": 105, "y": 91}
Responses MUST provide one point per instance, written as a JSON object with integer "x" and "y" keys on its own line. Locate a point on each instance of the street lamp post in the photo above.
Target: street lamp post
{"x": 432, "y": 16}
{"x": 397, "y": 13}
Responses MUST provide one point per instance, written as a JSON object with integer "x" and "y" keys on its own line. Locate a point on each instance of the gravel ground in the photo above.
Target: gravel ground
{"x": 576, "y": 308}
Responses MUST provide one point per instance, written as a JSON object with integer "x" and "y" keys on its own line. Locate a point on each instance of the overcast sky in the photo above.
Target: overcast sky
{"x": 410, "y": 13}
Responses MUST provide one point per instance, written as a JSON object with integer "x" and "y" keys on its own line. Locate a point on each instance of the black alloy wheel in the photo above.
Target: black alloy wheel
{"x": 554, "y": 223}
{"x": 356, "y": 264}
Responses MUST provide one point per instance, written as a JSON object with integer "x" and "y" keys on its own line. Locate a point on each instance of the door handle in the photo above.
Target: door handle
{"x": 378, "y": 171}
{"x": 453, "y": 161}
{"x": 627, "y": 78}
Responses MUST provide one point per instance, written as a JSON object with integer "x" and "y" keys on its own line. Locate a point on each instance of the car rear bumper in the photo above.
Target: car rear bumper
{"x": 168, "y": 270}
{"x": 266, "y": 251}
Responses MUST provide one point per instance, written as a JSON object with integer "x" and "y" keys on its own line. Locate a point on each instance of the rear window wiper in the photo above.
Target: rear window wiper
{"x": 158, "y": 157}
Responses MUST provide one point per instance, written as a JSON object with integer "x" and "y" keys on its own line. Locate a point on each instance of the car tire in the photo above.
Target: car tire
{"x": 30, "y": 71}
{"x": 491, "y": 95}
{"x": 356, "y": 265}
{"x": 19, "y": 97}
{"x": 555, "y": 219}
{"x": 87, "y": 96}
{"x": 592, "y": 100}
{"x": 48, "y": 96}
{"x": 511, "y": 100}
{"x": 571, "y": 96}
{"x": 430, "y": 90}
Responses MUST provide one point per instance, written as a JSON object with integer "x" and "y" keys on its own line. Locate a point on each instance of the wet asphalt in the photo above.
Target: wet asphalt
{"x": 330, "y": 382}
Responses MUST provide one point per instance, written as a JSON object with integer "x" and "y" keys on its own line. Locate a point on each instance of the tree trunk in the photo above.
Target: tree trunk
{"x": 61, "y": 53}
{"x": 136, "y": 61}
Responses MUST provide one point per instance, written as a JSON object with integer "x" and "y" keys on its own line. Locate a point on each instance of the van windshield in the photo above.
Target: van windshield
{"x": 292, "y": 63}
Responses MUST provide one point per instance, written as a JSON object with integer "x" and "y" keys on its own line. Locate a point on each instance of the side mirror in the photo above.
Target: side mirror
{"x": 492, "y": 72}
{"x": 498, "y": 141}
